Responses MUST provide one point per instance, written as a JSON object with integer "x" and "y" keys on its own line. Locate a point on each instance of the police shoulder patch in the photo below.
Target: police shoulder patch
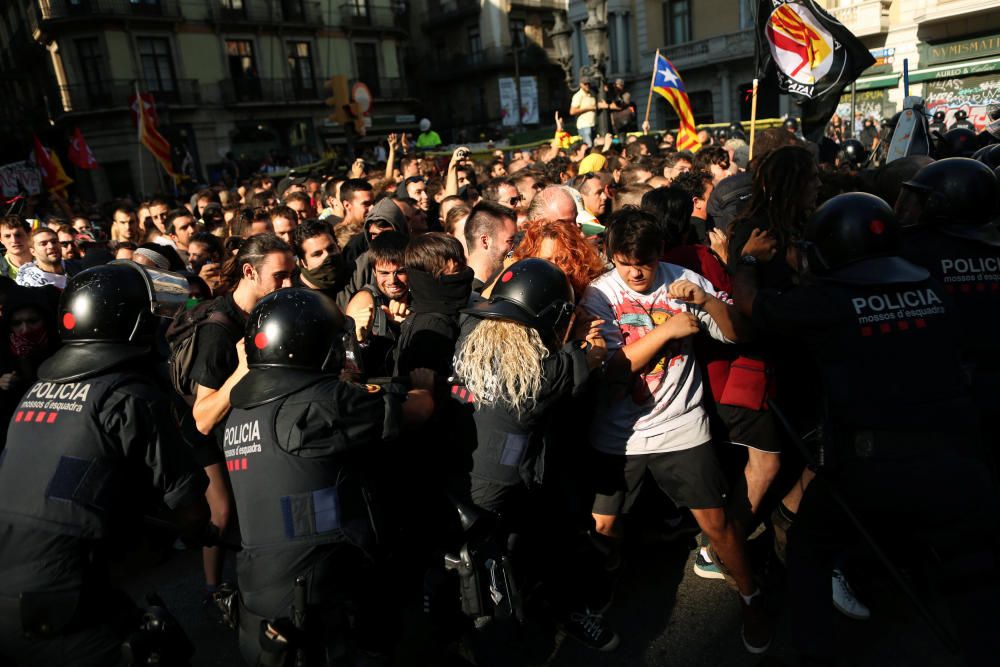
{"x": 374, "y": 388}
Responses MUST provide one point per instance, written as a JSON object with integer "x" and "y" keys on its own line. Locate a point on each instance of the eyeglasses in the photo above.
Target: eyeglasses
{"x": 514, "y": 201}
{"x": 66, "y": 244}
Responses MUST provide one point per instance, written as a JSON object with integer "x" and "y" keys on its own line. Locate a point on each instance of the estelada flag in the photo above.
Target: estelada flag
{"x": 79, "y": 152}
{"x": 155, "y": 142}
{"x": 812, "y": 54}
{"x": 667, "y": 82}
{"x": 53, "y": 175}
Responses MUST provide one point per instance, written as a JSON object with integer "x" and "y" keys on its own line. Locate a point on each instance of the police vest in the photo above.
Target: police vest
{"x": 58, "y": 470}
{"x": 283, "y": 499}
{"x": 970, "y": 273}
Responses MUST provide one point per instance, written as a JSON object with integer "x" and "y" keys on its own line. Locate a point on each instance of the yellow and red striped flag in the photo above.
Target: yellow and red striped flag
{"x": 151, "y": 138}
{"x": 667, "y": 82}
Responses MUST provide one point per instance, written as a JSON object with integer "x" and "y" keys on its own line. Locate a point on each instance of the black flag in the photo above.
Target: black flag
{"x": 812, "y": 55}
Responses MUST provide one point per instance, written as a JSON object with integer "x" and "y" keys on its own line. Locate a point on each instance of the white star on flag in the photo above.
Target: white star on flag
{"x": 668, "y": 75}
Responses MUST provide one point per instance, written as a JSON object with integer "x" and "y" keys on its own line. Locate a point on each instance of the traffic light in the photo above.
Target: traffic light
{"x": 344, "y": 109}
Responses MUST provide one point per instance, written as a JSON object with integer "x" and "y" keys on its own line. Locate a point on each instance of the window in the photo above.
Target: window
{"x": 301, "y": 68}
{"x": 157, "y": 66}
{"x": 233, "y": 9}
{"x": 677, "y": 21}
{"x": 475, "y": 41}
{"x": 91, "y": 63}
{"x": 517, "y": 33}
{"x": 293, "y": 10}
{"x": 243, "y": 70}
{"x": 366, "y": 60}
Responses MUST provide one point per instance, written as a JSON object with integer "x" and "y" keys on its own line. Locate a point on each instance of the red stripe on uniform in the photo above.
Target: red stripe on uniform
{"x": 244, "y": 464}
{"x": 866, "y": 331}
{"x": 903, "y": 326}
{"x": 885, "y": 327}
{"x": 19, "y": 416}
{"x": 28, "y": 415}
{"x": 52, "y": 417}
{"x": 40, "y": 417}
{"x": 921, "y": 324}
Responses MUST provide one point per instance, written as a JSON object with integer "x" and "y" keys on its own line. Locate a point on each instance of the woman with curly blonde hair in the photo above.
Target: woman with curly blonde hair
{"x": 516, "y": 371}
{"x": 564, "y": 245}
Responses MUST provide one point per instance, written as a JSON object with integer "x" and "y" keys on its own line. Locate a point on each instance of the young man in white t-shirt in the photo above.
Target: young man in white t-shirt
{"x": 652, "y": 418}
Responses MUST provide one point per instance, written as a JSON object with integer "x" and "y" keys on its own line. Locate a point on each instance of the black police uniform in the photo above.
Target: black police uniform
{"x": 899, "y": 427}
{"x": 87, "y": 441}
{"x": 299, "y": 445}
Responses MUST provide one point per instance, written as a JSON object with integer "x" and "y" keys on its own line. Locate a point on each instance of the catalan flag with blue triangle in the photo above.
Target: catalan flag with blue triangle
{"x": 667, "y": 82}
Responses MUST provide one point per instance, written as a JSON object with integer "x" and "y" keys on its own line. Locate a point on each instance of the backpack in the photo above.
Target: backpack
{"x": 181, "y": 336}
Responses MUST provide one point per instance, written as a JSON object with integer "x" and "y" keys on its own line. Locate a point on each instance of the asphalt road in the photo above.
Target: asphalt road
{"x": 665, "y": 614}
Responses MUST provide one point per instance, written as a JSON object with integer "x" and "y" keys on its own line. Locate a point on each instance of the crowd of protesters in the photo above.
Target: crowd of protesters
{"x": 671, "y": 376}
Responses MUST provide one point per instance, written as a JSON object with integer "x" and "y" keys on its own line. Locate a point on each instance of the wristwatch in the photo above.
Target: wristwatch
{"x": 748, "y": 260}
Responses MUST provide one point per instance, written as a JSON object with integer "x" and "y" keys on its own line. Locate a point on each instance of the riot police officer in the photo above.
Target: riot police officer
{"x": 898, "y": 425}
{"x": 299, "y": 446}
{"x": 86, "y": 443}
{"x": 947, "y": 210}
{"x": 962, "y": 121}
{"x": 937, "y": 123}
{"x": 854, "y": 153}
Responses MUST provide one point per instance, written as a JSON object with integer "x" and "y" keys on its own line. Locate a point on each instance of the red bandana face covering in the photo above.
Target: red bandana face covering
{"x": 21, "y": 345}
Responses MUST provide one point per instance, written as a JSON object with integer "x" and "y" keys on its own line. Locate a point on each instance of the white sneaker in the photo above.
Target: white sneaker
{"x": 844, "y": 599}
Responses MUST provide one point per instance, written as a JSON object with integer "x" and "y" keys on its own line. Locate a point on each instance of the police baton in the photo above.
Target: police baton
{"x": 932, "y": 621}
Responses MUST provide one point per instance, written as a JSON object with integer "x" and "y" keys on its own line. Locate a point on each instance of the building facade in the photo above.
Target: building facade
{"x": 952, "y": 48}
{"x": 466, "y": 65}
{"x": 244, "y": 77}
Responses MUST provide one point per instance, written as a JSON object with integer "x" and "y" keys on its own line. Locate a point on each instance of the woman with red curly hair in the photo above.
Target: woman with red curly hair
{"x": 563, "y": 244}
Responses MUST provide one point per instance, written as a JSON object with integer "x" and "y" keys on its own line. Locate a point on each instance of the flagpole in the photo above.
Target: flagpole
{"x": 649, "y": 102}
{"x": 753, "y": 117}
{"x": 140, "y": 119}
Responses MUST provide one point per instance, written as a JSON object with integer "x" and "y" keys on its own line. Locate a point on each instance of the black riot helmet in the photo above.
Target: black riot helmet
{"x": 296, "y": 328}
{"x": 791, "y": 124}
{"x": 108, "y": 315}
{"x": 722, "y": 134}
{"x": 534, "y": 292}
{"x": 957, "y": 142}
{"x": 961, "y": 114}
{"x": 118, "y": 303}
{"x": 993, "y": 121}
{"x": 957, "y": 195}
{"x": 854, "y": 238}
{"x": 736, "y": 130}
{"x": 988, "y": 155}
{"x": 938, "y": 117}
{"x": 855, "y": 152}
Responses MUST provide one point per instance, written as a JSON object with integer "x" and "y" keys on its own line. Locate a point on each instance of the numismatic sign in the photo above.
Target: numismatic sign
{"x": 966, "y": 49}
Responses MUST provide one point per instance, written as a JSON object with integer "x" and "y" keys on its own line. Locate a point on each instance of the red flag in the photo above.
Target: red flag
{"x": 53, "y": 175}
{"x": 143, "y": 104}
{"x": 155, "y": 142}
{"x": 80, "y": 153}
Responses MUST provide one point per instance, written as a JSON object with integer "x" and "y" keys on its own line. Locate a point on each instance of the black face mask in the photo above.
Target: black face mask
{"x": 328, "y": 274}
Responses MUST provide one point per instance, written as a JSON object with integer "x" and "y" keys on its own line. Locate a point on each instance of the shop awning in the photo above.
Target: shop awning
{"x": 953, "y": 70}
{"x": 876, "y": 82}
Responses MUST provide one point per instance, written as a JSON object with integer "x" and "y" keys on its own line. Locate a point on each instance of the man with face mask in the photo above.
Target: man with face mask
{"x": 320, "y": 260}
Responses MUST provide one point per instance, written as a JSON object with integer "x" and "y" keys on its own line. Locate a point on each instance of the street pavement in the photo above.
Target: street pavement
{"x": 665, "y": 614}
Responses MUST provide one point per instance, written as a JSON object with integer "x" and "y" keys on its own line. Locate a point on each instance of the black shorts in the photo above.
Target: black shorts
{"x": 756, "y": 429}
{"x": 691, "y": 477}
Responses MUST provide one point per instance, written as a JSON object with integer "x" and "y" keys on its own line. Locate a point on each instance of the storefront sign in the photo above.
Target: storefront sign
{"x": 966, "y": 49}
{"x": 869, "y": 103}
{"x": 884, "y": 59}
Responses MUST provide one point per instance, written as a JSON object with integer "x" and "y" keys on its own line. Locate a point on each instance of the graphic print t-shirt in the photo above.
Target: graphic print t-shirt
{"x": 660, "y": 410}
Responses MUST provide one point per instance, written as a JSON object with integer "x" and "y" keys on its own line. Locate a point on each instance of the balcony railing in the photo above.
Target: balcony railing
{"x": 710, "y": 50}
{"x": 114, "y": 94}
{"x": 444, "y": 12}
{"x": 870, "y": 17}
{"x": 268, "y": 91}
{"x": 494, "y": 58}
{"x": 393, "y": 88}
{"x": 375, "y": 15}
{"x": 52, "y": 10}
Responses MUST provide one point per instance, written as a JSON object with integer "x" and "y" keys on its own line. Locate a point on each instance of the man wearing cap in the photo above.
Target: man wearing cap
{"x": 427, "y": 138}
{"x": 584, "y": 106}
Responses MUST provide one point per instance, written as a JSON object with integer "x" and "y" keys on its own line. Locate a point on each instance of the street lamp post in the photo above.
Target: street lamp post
{"x": 595, "y": 34}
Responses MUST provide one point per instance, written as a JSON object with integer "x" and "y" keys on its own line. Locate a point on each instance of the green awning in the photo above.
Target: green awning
{"x": 954, "y": 70}
{"x": 876, "y": 82}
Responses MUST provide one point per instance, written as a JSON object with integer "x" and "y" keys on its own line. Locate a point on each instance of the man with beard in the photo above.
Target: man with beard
{"x": 320, "y": 261}
{"x": 48, "y": 267}
{"x": 378, "y": 310}
{"x": 489, "y": 236}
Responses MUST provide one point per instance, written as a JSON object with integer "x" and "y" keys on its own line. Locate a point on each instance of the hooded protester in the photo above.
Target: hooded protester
{"x": 386, "y": 214}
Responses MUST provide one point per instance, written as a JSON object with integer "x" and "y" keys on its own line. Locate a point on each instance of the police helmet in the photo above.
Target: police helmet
{"x": 957, "y": 195}
{"x": 988, "y": 155}
{"x": 853, "y": 238}
{"x": 957, "y": 142}
{"x": 791, "y": 124}
{"x": 534, "y": 292}
{"x": 108, "y": 315}
{"x": 118, "y": 303}
{"x": 296, "y": 328}
{"x": 938, "y": 116}
{"x": 961, "y": 114}
{"x": 855, "y": 152}
{"x": 722, "y": 134}
{"x": 993, "y": 121}
{"x": 735, "y": 128}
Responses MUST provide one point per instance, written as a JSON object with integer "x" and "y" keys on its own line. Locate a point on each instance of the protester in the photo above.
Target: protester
{"x": 489, "y": 237}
